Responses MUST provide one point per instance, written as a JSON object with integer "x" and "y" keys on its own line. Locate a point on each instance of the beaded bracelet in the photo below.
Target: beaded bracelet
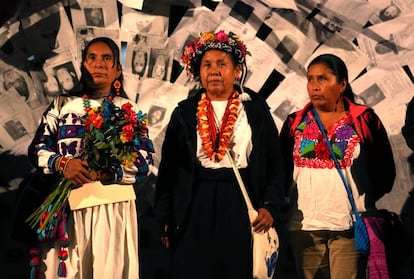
{"x": 57, "y": 162}
{"x": 52, "y": 162}
{"x": 63, "y": 163}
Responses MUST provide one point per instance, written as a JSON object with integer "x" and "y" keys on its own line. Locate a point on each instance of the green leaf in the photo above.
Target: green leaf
{"x": 102, "y": 145}
{"x": 301, "y": 127}
{"x": 337, "y": 151}
{"x": 100, "y": 136}
{"x": 308, "y": 151}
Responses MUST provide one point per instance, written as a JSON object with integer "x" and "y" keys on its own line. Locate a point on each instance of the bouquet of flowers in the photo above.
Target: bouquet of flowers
{"x": 113, "y": 136}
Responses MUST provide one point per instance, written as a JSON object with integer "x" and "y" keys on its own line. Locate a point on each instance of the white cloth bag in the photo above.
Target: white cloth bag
{"x": 265, "y": 245}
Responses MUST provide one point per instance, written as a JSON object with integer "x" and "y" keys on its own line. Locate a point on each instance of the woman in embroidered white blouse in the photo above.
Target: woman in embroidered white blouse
{"x": 102, "y": 224}
{"x": 321, "y": 221}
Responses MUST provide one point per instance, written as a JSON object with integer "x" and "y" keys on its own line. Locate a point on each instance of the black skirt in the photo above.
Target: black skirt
{"x": 216, "y": 238}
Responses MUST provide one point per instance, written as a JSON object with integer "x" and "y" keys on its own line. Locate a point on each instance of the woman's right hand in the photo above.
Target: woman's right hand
{"x": 77, "y": 172}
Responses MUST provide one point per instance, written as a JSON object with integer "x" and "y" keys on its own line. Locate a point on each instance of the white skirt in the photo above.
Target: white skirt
{"x": 103, "y": 243}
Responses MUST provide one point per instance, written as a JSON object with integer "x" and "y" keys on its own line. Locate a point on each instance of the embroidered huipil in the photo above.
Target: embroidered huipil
{"x": 62, "y": 131}
{"x": 100, "y": 232}
{"x": 322, "y": 202}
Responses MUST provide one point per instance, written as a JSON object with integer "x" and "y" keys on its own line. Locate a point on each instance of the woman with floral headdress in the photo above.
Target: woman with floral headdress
{"x": 201, "y": 210}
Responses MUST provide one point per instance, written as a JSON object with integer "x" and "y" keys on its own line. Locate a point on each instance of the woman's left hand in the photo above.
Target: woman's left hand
{"x": 263, "y": 221}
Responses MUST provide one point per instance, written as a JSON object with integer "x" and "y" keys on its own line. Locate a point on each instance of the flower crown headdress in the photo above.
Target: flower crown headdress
{"x": 194, "y": 51}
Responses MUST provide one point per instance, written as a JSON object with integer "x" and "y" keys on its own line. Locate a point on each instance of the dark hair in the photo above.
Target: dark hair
{"x": 86, "y": 79}
{"x": 338, "y": 68}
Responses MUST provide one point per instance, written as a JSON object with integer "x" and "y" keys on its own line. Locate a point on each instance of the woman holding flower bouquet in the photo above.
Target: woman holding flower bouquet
{"x": 98, "y": 141}
{"x": 199, "y": 204}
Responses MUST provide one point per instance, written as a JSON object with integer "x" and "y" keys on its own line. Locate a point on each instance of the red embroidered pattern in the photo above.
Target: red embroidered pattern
{"x": 310, "y": 149}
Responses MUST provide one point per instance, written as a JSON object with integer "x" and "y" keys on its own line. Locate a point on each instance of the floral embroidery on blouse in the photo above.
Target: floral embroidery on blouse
{"x": 310, "y": 149}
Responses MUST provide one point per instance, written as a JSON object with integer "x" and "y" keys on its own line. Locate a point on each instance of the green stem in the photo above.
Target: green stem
{"x": 56, "y": 199}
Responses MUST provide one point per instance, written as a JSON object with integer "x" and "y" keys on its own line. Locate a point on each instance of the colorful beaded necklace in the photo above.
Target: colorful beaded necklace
{"x": 215, "y": 140}
{"x": 87, "y": 102}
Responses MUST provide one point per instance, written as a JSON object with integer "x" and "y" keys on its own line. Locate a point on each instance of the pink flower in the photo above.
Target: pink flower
{"x": 242, "y": 48}
{"x": 221, "y": 36}
{"x": 311, "y": 131}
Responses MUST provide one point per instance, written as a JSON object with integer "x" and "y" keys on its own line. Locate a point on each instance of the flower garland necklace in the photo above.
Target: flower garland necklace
{"x": 215, "y": 141}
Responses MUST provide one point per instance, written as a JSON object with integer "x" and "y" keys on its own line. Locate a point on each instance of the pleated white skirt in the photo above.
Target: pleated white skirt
{"x": 103, "y": 244}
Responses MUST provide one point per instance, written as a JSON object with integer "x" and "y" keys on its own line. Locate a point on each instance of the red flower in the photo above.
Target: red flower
{"x": 322, "y": 150}
{"x": 129, "y": 114}
{"x": 126, "y": 107}
{"x": 97, "y": 120}
{"x": 128, "y": 133}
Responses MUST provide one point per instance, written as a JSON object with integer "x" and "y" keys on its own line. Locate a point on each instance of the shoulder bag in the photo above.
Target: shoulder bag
{"x": 360, "y": 229}
{"x": 265, "y": 245}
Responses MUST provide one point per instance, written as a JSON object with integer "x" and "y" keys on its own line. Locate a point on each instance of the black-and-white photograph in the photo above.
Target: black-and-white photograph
{"x": 83, "y": 36}
{"x": 139, "y": 62}
{"x": 94, "y": 17}
{"x": 147, "y": 56}
{"x": 14, "y": 79}
{"x": 156, "y": 115}
{"x": 372, "y": 95}
{"x": 389, "y": 12}
{"x": 94, "y": 13}
{"x": 66, "y": 78}
{"x": 15, "y": 129}
{"x": 19, "y": 85}
{"x": 158, "y": 64}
